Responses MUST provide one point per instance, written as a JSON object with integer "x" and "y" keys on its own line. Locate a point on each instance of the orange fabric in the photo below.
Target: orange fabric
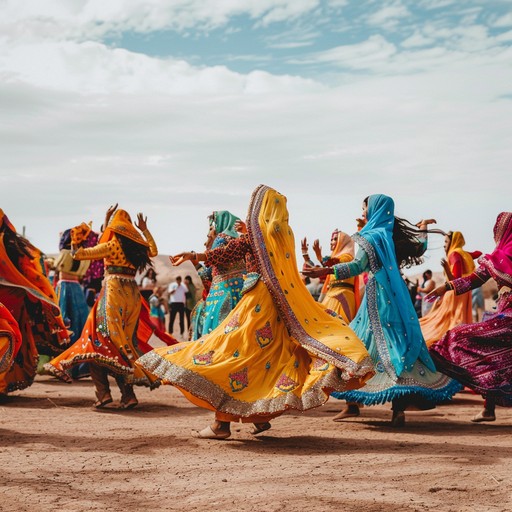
{"x": 343, "y": 253}
{"x": 30, "y": 276}
{"x": 121, "y": 223}
{"x": 456, "y": 246}
{"x": 10, "y": 338}
{"x": 453, "y": 309}
{"x": 80, "y": 233}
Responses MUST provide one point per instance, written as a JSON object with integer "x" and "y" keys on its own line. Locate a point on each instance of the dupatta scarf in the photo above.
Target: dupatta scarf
{"x": 499, "y": 262}
{"x": 344, "y": 245}
{"x": 456, "y": 246}
{"x": 376, "y": 238}
{"x": 308, "y": 322}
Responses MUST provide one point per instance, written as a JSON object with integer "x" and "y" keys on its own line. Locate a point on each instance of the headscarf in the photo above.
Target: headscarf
{"x": 456, "y": 245}
{"x": 224, "y": 222}
{"x": 378, "y": 232}
{"x": 65, "y": 240}
{"x": 499, "y": 262}
{"x": 344, "y": 245}
{"x": 121, "y": 223}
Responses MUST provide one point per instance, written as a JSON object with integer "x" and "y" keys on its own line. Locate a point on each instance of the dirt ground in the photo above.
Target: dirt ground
{"x": 58, "y": 454}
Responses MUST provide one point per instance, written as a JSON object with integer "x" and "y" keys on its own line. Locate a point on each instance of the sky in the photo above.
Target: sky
{"x": 178, "y": 108}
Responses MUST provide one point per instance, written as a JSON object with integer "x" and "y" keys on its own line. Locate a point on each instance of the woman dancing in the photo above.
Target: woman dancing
{"x": 454, "y": 309}
{"x": 223, "y": 280}
{"x": 479, "y": 355}
{"x": 277, "y": 350}
{"x": 30, "y": 298}
{"x": 386, "y": 320}
{"x": 109, "y": 340}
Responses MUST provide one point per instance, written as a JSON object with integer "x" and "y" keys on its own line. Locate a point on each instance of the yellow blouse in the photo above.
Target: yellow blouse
{"x": 112, "y": 252}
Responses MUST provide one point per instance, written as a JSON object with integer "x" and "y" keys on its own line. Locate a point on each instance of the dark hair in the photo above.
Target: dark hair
{"x": 188, "y": 278}
{"x": 137, "y": 254}
{"x": 409, "y": 249}
{"x": 151, "y": 271}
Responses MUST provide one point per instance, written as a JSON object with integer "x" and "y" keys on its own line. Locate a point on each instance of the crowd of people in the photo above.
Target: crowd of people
{"x": 261, "y": 335}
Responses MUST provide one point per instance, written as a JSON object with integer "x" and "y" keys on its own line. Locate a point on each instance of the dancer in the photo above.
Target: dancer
{"x": 454, "y": 309}
{"x": 110, "y": 340}
{"x": 29, "y": 296}
{"x": 72, "y": 301}
{"x": 277, "y": 349}
{"x": 338, "y": 295}
{"x": 224, "y": 279}
{"x": 386, "y": 320}
{"x": 479, "y": 355}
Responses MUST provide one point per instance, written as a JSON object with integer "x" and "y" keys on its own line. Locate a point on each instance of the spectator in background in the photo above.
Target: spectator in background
{"x": 427, "y": 286}
{"x": 190, "y": 298}
{"x": 148, "y": 284}
{"x": 177, "y": 298}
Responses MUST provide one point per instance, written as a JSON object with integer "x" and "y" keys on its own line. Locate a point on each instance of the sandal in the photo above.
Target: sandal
{"x": 484, "y": 415}
{"x": 260, "y": 427}
{"x": 209, "y": 433}
{"x": 131, "y": 404}
{"x": 101, "y": 402}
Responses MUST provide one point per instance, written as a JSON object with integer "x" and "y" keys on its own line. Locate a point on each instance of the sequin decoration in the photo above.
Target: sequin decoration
{"x": 232, "y": 325}
{"x": 239, "y": 380}
{"x": 264, "y": 336}
{"x": 286, "y": 384}
{"x": 203, "y": 359}
{"x": 320, "y": 365}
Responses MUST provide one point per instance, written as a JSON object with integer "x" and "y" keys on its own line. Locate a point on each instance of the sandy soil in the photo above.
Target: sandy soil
{"x": 58, "y": 454}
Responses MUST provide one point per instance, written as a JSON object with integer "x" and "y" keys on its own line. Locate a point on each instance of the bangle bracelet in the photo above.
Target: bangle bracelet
{"x": 305, "y": 254}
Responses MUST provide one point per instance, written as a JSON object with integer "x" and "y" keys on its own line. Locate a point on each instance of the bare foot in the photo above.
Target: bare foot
{"x": 350, "y": 411}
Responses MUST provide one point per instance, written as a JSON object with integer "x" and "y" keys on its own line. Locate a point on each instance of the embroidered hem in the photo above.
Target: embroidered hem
{"x": 202, "y": 388}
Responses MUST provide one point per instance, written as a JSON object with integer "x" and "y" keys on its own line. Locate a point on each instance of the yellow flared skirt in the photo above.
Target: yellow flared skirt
{"x": 250, "y": 366}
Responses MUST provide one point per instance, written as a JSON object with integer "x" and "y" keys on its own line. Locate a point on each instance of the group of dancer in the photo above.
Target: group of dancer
{"x": 260, "y": 344}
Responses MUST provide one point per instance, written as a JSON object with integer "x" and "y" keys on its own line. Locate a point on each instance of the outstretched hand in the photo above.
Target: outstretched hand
{"x": 316, "y": 271}
{"x": 422, "y": 224}
{"x": 240, "y": 227}
{"x": 109, "y": 214}
{"x": 141, "y": 222}
{"x": 180, "y": 258}
{"x": 435, "y": 294}
{"x": 304, "y": 245}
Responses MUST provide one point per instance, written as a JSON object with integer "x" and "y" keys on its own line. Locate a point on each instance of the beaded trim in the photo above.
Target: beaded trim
{"x": 233, "y": 274}
{"x": 368, "y": 248}
{"x": 268, "y": 276}
{"x": 202, "y": 388}
{"x": 115, "y": 269}
{"x": 94, "y": 357}
{"x": 341, "y": 271}
{"x": 5, "y": 362}
{"x": 378, "y": 333}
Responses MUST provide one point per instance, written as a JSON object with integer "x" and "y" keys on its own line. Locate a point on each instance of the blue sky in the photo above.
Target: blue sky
{"x": 182, "y": 107}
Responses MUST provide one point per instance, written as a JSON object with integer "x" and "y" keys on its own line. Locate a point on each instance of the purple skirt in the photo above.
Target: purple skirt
{"x": 479, "y": 355}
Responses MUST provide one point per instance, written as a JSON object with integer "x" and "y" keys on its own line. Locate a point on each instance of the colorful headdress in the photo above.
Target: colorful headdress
{"x": 499, "y": 262}
{"x": 121, "y": 224}
{"x": 456, "y": 245}
{"x": 224, "y": 222}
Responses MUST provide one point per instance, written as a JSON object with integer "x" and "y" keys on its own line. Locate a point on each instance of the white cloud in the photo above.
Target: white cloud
{"x": 93, "y": 19}
{"x": 94, "y": 68}
{"x": 388, "y": 16}
{"x": 504, "y": 21}
{"x": 416, "y": 40}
